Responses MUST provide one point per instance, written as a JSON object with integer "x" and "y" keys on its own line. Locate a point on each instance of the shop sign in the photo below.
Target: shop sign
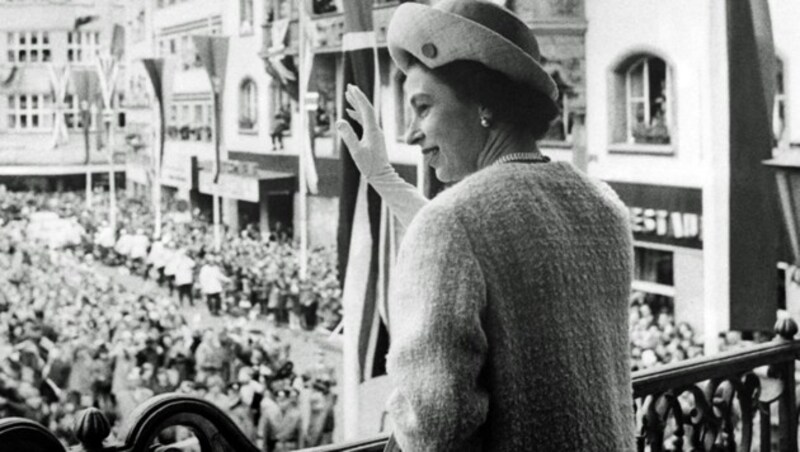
{"x": 229, "y": 186}
{"x": 136, "y": 173}
{"x": 663, "y": 223}
{"x": 177, "y": 172}
{"x": 241, "y": 168}
{"x": 663, "y": 214}
{"x": 137, "y": 164}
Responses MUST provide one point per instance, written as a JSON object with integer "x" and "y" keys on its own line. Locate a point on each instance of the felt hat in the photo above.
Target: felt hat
{"x": 473, "y": 30}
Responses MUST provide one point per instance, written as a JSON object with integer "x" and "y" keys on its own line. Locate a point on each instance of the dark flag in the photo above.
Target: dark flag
{"x": 213, "y": 51}
{"x": 359, "y": 64}
{"x": 155, "y": 72}
{"x": 87, "y": 88}
{"x": 83, "y": 20}
{"x": 754, "y": 221}
{"x": 363, "y": 240}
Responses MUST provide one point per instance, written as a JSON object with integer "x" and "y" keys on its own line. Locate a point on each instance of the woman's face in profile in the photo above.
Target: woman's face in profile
{"x": 447, "y": 128}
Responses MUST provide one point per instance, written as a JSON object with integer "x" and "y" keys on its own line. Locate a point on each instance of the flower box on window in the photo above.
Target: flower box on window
{"x": 246, "y": 124}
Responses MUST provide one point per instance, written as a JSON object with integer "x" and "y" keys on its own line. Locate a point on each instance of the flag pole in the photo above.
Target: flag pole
{"x": 215, "y": 84}
{"x": 107, "y": 77}
{"x": 156, "y": 189}
{"x": 303, "y": 120}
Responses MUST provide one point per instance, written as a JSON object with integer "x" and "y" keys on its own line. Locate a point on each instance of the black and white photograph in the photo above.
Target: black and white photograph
{"x": 399, "y": 225}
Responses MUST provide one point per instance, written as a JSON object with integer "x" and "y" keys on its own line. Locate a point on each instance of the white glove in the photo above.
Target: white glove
{"x": 369, "y": 154}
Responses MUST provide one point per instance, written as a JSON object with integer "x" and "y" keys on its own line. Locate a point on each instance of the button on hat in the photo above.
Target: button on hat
{"x": 429, "y": 50}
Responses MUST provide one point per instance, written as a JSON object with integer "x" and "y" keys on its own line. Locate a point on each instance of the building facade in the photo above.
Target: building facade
{"x": 43, "y": 144}
{"x": 645, "y": 107}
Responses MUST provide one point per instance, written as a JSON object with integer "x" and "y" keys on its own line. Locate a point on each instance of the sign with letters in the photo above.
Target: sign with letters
{"x": 664, "y": 214}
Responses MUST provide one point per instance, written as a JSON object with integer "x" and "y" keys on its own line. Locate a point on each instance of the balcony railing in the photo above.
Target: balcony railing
{"x": 723, "y": 402}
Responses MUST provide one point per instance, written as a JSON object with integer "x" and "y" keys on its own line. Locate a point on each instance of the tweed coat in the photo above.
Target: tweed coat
{"x": 508, "y": 316}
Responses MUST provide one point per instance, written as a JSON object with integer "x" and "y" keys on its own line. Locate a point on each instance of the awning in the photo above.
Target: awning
{"x": 247, "y": 188}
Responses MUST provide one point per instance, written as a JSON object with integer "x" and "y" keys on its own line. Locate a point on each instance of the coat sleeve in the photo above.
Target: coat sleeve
{"x": 438, "y": 345}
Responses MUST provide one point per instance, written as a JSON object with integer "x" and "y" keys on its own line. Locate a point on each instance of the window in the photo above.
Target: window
{"x": 245, "y": 17}
{"x": 28, "y": 47}
{"x": 248, "y": 105}
{"x": 281, "y": 115}
{"x": 173, "y": 47}
{"x": 29, "y": 112}
{"x": 654, "y": 278}
{"x": 188, "y": 54}
{"x": 643, "y": 104}
{"x": 73, "y": 116}
{"x": 779, "y": 120}
{"x": 82, "y": 46}
{"x": 185, "y": 119}
{"x": 561, "y": 128}
{"x": 285, "y": 9}
{"x": 324, "y": 6}
{"x": 402, "y": 110}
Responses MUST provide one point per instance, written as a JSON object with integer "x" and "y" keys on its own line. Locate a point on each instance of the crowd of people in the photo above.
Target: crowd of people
{"x": 252, "y": 271}
{"x": 656, "y": 338}
{"x": 73, "y": 337}
{"x": 76, "y": 338}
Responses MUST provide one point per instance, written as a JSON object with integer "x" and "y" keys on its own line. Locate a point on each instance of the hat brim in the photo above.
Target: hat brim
{"x": 455, "y": 38}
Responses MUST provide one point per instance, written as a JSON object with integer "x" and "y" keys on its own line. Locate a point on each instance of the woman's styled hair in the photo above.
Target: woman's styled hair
{"x": 511, "y": 102}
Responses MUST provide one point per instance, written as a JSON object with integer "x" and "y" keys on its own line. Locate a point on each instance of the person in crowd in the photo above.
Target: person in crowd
{"x": 104, "y": 238}
{"x": 211, "y": 280}
{"x": 139, "y": 249}
{"x": 123, "y": 246}
{"x": 171, "y": 258}
{"x": 184, "y": 276}
{"x": 156, "y": 260}
{"x": 479, "y": 300}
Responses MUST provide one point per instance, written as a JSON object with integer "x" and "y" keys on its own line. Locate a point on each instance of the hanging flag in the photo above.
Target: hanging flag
{"x": 118, "y": 42}
{"x": 59, "y": 82}
{"x": 83, "y": 20}
{"x": 7, "y": 80}
{"x": 86, "y": 92}
{"x": 753, "y": 197}
{"x": 308, "y": 106}
{"x": 213, "y": 51}
{"x": 155, "y": 72}
{"x": 107, "y": 70}
{"x": 359, "y": 205}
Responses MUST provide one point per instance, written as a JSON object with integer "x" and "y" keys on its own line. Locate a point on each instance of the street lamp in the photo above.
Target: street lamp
{"x": 787, "y": 175}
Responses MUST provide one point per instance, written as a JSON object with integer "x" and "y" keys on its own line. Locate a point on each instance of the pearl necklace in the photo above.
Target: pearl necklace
{"x": 522, "y": 157}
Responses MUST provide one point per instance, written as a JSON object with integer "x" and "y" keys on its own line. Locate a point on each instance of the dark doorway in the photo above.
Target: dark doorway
{"x": 280, "y": 208}
{"x": 248, "y": 214}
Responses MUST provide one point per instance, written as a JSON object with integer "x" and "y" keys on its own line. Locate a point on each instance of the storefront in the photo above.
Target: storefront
{"x": 137, "y": 165}
{"x": 251, "y": 196}
{"x": 178, "y": 174}
{"x": 667, "y": 224}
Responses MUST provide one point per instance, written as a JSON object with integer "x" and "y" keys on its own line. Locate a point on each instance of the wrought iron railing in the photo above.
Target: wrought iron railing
{"x": 732, "y": 401}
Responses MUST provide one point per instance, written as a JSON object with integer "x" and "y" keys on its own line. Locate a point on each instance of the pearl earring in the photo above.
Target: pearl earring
{"x": 485, "y": 122}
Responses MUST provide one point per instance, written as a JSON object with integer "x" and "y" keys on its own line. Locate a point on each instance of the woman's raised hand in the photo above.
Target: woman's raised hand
{"x": 369, "y": 153}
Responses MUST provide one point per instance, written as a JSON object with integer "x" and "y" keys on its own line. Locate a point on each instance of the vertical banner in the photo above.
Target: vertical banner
{"x": 85, "y": 85}
{"x": 86, "y": 91}
{"x": 213, "y": 51}
{"x": 155, "y": 72}
{"x": 159, "y": 79}
{"x": 364, "y": 249}
{"x": 754, "y": 221}
{"x": 59, "y": 82}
